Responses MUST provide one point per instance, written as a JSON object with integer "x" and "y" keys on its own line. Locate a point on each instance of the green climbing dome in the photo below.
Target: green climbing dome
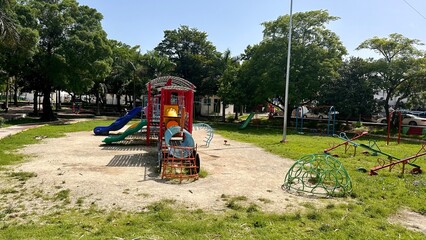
{"x": 318, "y": 174}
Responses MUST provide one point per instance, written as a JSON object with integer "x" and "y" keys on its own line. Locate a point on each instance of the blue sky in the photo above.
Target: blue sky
{"x": 235, "y": 24}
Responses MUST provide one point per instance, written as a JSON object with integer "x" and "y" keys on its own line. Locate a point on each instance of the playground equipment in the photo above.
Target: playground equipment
{"x": 136, "y": 127}
{"x": 331, "y": 114}
{"x": 169, "y": 117}
{"x": 318, "y": 174}
{"x": 375, "y": 150}
{"x": 299, "y": 114}
{"x": 346, "y": 142}
{"x": 372, "y": 145}
{"x": 392, "y": 163}
{"x": 247, "y": 121}
{"x": 208, "y": 129}
{"x": 117, "y": 124}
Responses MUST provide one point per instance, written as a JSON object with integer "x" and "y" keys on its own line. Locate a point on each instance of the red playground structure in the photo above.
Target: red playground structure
{"x": 170, "y": 118}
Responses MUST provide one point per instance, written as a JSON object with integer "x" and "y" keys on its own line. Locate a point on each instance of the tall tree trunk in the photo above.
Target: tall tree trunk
{"x": 6, "y": 103}
{"x": 35, "y": 103}
{"x": 98, "y": 105}
{"x": 15, "y": 92}
{"x": 223, "y": 112}
{"x": 58, "y": 100}
{"x": 118, "y": 97}
{"x": 48, "y": 114}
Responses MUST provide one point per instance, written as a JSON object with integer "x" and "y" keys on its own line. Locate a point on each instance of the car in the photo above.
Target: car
{"x": 408, "y": 119}
{"x": 315, "y": 115}
{"x": 419, "y": 113}
{"x": 318, "y": 115}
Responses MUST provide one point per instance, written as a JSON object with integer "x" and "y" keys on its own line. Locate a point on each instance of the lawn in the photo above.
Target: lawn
{"x": 364, "y": 215}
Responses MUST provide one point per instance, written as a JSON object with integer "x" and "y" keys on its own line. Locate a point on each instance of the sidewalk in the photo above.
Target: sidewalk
{"x": 5, "y": 132}
{"x": 23, "y": 111}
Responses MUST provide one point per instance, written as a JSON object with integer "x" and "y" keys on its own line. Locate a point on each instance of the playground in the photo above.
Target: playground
{"x": 125, "y": 176}
{"x": 131, "y": 165}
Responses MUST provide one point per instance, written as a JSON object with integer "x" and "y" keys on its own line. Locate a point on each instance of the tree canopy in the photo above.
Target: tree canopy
{"x": 316, "y": 56}
{"x": 72, "y": 51}
{"x": 399, "y": 69}
{"x": 196, "y": 59}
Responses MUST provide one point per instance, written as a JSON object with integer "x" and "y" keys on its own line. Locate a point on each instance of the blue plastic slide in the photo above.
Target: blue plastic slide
{"x": 118, "y": 124}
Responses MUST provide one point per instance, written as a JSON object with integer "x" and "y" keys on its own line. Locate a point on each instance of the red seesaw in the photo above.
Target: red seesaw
{"x": 404, "y": 161}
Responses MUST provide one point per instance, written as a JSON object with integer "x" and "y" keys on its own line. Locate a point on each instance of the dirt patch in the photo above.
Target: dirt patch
{"x": 124, "y": 176}
{"x": 411, "y": 220}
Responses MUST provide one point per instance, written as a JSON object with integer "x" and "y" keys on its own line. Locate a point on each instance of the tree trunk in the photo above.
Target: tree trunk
{"x": 48, "y": 114}
{"x": 15, "y": 92}
{"x": 118, "y": 97}
{"x": 58, "y": 101}
{"x": 223, "y": 112}
{"x": 98, "y": 106}
{"x": 35, "y": 103}
{"x": 6, "y": 103}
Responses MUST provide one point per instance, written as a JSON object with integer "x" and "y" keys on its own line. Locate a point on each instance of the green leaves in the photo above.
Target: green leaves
{"x": 315, "y": 58}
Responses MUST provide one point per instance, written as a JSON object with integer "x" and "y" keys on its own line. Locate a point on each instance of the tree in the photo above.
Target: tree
{"x": 126, "y": 71}
{"x": 156, "y": 64}
{"x": 71, "y": 51}
{"x": 398, "y": 70}
{"x": 316, "y": 56}
{"x": 195, "y": 58}
{"x": 228, "y": 89}
{"x": 352, "y": 93}
{"x": 14, "y": 57}
{"x": 8, "y": 23}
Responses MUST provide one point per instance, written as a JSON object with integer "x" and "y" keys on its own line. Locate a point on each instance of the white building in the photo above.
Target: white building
{"x": 212, "y": 106}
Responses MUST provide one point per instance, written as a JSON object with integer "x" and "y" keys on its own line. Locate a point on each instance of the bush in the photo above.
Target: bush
{"x": 230, "y": 119}
{"x": 2, "y": 120}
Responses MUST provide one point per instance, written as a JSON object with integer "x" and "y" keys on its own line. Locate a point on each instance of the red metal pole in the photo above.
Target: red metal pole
{"x": 399, "y": 127}
{"x": 389, "y": 120}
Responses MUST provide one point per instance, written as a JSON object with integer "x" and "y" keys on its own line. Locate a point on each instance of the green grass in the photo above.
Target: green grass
{"x": 363, "y": 215}
{"x": 22, "y": 176}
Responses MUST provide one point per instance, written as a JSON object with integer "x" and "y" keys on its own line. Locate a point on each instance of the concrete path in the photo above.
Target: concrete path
{"x": 8, "y": 131}
{"x": 24, "y": 111}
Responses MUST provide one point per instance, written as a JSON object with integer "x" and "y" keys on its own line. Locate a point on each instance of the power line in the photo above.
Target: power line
{"x": 411, "y": 6}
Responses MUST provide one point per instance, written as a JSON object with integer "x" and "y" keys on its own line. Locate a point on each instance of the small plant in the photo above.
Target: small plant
{"x": 240, "y": 198}
{"x": 23, "y": 176}
{"x": 203, "y": 173}
{"x": 230, "y": 119}
{"x": 265, "y": 200}
{"x": 80, "y": 201}
{"x": 144, "y": 195}
{"x": 8, "y": 191}
{"x": 62, "y": 195}
{"x": 252, "y": 208}
{"x": 232, "y": 204}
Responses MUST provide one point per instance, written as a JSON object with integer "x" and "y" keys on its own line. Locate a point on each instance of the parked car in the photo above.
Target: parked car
{"x": 318, "y": 115}
{"x": 315, "y": 115}
{"x": 408, "y": 119}
{"x": 419, "y": 113}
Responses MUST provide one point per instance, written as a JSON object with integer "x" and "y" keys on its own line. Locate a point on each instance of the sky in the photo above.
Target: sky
{"x": 235, "y": 24}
